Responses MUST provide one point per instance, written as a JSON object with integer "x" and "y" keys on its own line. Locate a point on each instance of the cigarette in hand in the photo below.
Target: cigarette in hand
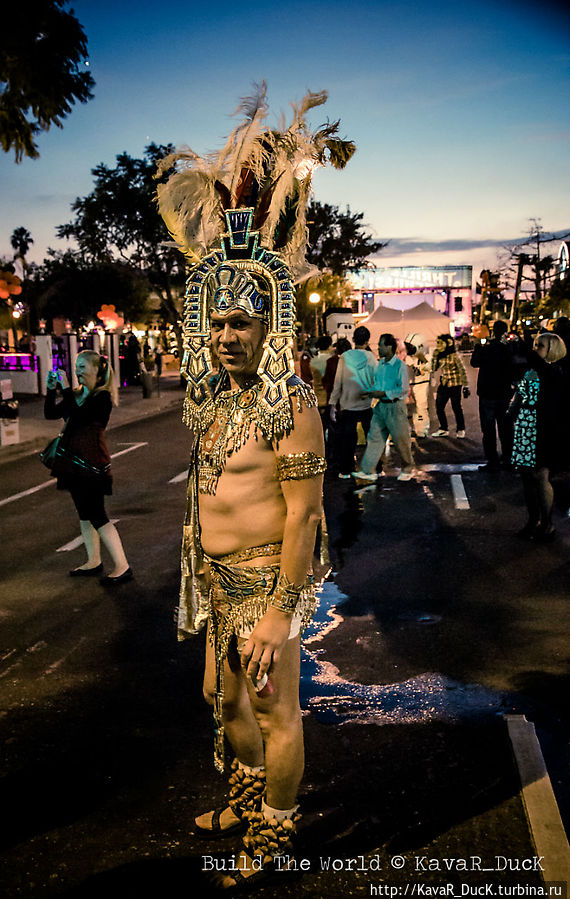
{"x": 264, "y": 687}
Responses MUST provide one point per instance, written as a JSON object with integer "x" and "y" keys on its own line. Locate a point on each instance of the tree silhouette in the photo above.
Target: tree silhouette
{"x": 119, "y": 222}
{"x": 66, "y": 285}
{"x": 529, "y": 254}
{"x": 337, "y": 241}
{"x": 42, "y": 50}
{"x": 21, "y": 241}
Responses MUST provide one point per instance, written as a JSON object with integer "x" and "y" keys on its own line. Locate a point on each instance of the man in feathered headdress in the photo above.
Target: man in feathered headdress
{"x": 255, "y": 482}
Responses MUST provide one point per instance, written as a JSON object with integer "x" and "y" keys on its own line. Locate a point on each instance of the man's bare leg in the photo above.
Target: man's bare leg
{"x": 279, "y": 718}
{"x": 240, "y": 725}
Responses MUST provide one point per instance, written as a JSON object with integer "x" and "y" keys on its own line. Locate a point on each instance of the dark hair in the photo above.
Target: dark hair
{"x": 389, "y": 340}
{"x": 323, "y": 343}
{"x": 102, "y": 370}
{"x": 341, "y": 346}
{"x": 361, "y": 336}
{"x": 562, "y": 326}
{"x": 500, "y": 328}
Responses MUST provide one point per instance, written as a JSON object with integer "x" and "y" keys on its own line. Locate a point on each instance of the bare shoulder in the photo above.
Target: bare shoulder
{"x": 307, "y": 432}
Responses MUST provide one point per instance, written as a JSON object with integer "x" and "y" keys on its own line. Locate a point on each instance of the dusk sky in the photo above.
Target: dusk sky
{"x": 460, "y": 111}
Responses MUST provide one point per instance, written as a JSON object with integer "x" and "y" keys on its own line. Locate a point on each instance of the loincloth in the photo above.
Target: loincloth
{"x": 238, "y": 598}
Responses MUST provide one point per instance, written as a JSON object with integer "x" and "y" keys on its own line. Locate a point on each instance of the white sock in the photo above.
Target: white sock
{"x": 112, "y": 543}
{"x": 279, "y": 813}
{"x": 91, "y": 541}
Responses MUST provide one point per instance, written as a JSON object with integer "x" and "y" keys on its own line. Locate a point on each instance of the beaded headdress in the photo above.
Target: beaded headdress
{"x": 239, "y": 217}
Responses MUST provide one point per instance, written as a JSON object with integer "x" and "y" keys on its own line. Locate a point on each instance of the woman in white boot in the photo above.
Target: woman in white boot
{"x": 83, "y": 463}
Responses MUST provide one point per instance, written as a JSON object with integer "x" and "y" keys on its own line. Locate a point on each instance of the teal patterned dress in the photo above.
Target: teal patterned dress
{"x": 525, "y": 429}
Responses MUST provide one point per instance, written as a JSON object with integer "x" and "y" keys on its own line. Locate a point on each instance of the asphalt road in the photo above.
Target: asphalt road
{"x": 437, "y": 621}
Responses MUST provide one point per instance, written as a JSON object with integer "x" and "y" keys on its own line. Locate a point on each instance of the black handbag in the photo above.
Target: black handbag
{"x": 48, "y": 455}
{"x": 69, "y": 462}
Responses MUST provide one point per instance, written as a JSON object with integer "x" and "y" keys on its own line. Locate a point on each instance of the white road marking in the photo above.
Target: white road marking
{"x": 129, "y": 449}
{"x": 36, "y": 647}
{"x": 459, "y": 495}
{"x": 179, "y": 477}
{"x": 75, "y": 544}
{"x": 15, "y": 496}
{"x": 11, "y": 499}
{"x": 55, "y": 665}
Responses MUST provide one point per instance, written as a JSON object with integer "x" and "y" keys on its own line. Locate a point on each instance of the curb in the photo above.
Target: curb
{"x": 543, "y": 816}
{"x": 36, "y": 444}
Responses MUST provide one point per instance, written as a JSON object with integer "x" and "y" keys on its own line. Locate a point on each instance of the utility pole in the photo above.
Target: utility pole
{"x": 490, "y": 288}
{"x": 523, "y": 260}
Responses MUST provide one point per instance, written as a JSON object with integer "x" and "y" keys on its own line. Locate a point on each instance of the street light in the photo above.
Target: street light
{"x": 315, "y": 299}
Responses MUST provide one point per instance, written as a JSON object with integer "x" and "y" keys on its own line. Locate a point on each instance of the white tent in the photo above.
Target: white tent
{"x": 422, "y": 319}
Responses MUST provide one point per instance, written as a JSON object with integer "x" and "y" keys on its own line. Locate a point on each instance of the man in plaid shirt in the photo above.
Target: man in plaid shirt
{"x": 452, "y": 384}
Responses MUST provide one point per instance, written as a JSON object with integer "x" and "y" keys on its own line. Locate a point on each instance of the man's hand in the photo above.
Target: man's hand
{"x": 333, "y": 414}
{"x": 261, "y": 652}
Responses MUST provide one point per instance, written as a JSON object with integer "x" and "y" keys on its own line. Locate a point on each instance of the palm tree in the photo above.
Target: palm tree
{"x": 21, "y": 241}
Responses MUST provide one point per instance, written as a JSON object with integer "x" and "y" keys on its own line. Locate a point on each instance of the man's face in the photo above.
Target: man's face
{"x": 237, "y": 340}
{"x": 385, "y": 352}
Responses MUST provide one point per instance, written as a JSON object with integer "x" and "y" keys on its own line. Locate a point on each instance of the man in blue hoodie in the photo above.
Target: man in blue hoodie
{"x": 390, "y": 419}
{"x": 354, "y": 376}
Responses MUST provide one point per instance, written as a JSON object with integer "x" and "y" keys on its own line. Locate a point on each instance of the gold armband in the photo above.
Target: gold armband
{"x": 286, "y": 595}
{"x": 299, "y": 466}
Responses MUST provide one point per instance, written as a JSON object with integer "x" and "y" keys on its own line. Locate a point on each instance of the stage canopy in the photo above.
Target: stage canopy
{"x": 422, "y": 319}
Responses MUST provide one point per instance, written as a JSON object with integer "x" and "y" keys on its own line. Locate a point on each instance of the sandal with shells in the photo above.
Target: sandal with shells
{"x": 265, "y": 841}
{"x": 246, "y": 793}
{"x": 215, "y": 831}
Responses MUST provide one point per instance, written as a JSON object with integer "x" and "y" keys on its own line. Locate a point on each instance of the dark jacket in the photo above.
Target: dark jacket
{"x": 496, "y": 371}
{"x": 83, "y": 435}
{"x": 552, "y": 414}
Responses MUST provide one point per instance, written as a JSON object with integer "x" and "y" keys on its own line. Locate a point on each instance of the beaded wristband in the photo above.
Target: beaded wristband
{"x": 286, "y": 595}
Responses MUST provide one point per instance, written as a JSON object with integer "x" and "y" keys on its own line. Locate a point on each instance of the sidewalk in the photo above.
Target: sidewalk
{"x": 35, "y": 431}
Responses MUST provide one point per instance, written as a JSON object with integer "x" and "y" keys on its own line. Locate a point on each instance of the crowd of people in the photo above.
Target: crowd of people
{"x": 523, "y": 390}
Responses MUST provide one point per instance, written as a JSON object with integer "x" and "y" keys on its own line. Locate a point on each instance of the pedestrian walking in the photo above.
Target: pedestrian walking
{"x": 83, "y": 464}
{"x": 340, "y": 347}
{"x": 332, "y": 446}
{"x": 421, "y": 362}
{"x": 452, "y": 384}
{"x": 494, "y": 360}
{"x": 354, "y": 376}
{"x": 318, "y": 366}
{"x": 389, "y": 416}
{"x": 540, "y": 441}
{"x": 158, "y": 361}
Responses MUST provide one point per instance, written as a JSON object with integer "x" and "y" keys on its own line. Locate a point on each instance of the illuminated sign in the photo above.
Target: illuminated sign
{"x": 413, "y": 276}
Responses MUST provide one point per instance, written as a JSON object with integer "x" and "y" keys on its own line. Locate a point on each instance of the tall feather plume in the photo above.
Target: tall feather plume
{"x": 247, "y": 188}
{"x": 263, "y": 204}
{"x": 189, "y": 202}
{"x": 269, "y": 170}
{"x": 243, "y": 146}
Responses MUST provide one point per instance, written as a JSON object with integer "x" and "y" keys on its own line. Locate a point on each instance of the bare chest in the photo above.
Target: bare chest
{"x": 230, "y": 448}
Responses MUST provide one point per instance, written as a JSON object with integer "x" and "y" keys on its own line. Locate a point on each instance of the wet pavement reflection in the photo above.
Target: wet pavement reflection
{"x": 427, "y": 697}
